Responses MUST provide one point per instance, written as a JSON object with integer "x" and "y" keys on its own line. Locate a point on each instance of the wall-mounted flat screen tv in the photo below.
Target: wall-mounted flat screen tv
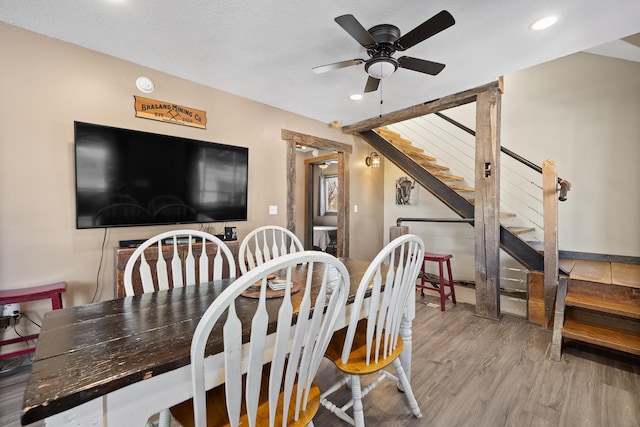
{"x": 132, "y": 178}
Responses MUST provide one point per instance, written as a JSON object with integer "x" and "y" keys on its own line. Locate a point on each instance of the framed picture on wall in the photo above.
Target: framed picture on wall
{"x": 328, "y": 195}
{"x": 406, "y": 191}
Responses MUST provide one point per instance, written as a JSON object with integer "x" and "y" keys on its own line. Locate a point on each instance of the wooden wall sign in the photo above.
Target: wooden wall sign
{"x": 168, "y": 112}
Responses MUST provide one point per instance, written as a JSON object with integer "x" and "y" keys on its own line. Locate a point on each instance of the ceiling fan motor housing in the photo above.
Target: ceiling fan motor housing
{"x": 381, "y": 53}
{"x": 385, "y": 33}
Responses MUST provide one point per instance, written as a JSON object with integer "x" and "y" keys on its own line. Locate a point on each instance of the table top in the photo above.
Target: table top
{"x": 88, "y": 351}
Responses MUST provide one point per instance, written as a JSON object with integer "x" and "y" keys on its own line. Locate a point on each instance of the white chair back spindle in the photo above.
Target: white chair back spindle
{"x": 389, "y": 295}
{"x": 266, "y": 243}
{"x": 283, "y": 384}
{"x": 182, "y": 271}
{"x": 369, "y": 345}
{"x": 185, "y": 271}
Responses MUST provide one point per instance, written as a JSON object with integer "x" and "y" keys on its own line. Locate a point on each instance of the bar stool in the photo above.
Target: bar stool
{"x": 438, "y": 285}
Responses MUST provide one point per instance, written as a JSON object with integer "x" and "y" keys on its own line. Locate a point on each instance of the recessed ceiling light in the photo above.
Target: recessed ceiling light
{"x": 356, "y": 97}
{"x": 543, "y": 23}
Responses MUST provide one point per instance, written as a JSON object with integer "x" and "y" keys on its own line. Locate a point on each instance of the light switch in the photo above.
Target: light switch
{"x": 273, "y": 210}
{"x": 355, "y": 208}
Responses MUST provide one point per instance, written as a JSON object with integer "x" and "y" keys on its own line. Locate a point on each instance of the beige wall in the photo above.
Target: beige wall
{"x": 46, "y": 85}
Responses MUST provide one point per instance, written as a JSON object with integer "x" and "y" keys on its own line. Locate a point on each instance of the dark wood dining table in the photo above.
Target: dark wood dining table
{"x": 118, "y": 362}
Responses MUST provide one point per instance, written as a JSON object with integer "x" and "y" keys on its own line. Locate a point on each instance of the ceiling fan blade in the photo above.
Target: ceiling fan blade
{"x": 355, "y": 29}
{"x": 432, "y": 26}
{"x": 336, "y": 65}
{"x": 420, "y": 65}
{"x": 372, "y": 85}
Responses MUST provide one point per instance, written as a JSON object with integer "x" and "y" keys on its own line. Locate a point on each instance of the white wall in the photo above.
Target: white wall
{"x": 583, "y": 112}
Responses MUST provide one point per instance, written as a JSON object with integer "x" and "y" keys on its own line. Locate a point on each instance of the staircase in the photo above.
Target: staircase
{"x": 445, "y": 186}
{"x": 598, "y": 303}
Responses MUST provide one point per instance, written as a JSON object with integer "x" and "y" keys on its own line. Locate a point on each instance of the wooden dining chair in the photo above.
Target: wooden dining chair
{"x": 182, "y": 257}
{"x": 177, "y": 258}
{"x": 369, "y": 345}
{"x": 265, "y": 243}
{"x": 268, "y": 381}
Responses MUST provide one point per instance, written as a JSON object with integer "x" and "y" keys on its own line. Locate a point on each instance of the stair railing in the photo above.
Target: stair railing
{"x": 551, "y": 185}
{"x": 564, "y": 184}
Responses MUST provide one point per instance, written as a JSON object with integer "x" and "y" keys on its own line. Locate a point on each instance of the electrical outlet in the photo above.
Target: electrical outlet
{"x": 11, "y": 310}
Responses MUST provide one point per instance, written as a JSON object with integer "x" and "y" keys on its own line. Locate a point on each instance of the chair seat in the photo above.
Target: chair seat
{"x": 217, "y": 411}
{"x": 357, "y": 363}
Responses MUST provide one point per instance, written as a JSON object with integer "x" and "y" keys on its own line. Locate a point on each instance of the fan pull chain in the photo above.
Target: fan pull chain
{"x": 380, "y": 99}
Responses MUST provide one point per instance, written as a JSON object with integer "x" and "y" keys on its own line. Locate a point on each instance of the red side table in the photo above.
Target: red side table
{"x": 13, "y": 296}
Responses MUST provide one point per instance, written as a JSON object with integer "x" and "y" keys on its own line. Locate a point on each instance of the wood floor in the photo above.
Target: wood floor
{"x": 471, "y": 371}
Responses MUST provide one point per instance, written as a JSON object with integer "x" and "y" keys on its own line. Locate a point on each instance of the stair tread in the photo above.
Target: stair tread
{"x": 409, "y": 149}
{"x": 402, "y": 141}
{"x": 461, "y": 188}
{"x": 619, "y": 308}
{"x": 434, "y": 166}
{"x": 520, "y": 230}
{"x": 600, "y": 335}
{"x": 424, "y": 157}
{"x": 448, "y": 176}
{"x": 538, "y": 246}
{"x": 385, "y": 131}
{"x": 625, "y": 274}
{"x": 592, "y": 271}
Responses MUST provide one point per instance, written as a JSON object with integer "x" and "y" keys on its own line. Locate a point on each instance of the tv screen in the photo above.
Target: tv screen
{"x": 130, "y": 178}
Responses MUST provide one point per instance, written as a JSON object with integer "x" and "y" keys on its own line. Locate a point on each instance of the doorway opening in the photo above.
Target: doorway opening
{"x": 338, "y": 152}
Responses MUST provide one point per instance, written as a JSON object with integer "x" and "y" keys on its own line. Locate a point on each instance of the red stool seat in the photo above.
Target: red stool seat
{"x": 438, "y": 285}
{"x": 13, "y": 296}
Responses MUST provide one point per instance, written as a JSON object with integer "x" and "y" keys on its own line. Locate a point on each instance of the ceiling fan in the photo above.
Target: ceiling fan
{"x": 382, "y": 41}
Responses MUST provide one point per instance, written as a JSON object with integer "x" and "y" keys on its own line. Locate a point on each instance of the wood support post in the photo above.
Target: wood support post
{"x": 556, "y": 343}
{"x": 550, "y": 211}
{"x": 291, "y": 186}
{"x": 395, "y": 232}
{"x": 487, "y": 204}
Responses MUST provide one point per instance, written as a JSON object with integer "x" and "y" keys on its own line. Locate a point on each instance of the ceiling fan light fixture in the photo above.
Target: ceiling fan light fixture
{"x": 381, "y": 67}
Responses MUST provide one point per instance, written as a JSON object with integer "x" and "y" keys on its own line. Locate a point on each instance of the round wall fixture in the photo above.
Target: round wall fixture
{"x": 144, "y": 85}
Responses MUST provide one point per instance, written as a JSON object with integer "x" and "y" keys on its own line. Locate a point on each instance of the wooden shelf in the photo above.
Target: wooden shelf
{"x": 618, "y": 308}
{"x": 601, "y": 335}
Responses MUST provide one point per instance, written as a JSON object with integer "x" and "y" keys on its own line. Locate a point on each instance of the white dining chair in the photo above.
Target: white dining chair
{"x": 194, "y": 257}
{"x": 265, "y": 243}
{"x": 369, "y": 345}
{"x": 184, "y": 267}
{"x": 269, "y": 379}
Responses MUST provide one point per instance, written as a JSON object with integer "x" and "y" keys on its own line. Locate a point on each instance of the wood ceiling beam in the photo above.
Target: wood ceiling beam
{"x": 419, "y": 110}
{"x": 315, "y": 142}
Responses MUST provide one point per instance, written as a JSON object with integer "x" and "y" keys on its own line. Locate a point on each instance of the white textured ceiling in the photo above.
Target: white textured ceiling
{"x": 265, "y": 49}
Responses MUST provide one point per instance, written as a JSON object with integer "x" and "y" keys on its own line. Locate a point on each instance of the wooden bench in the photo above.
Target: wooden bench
{"x": 52, "y": 291}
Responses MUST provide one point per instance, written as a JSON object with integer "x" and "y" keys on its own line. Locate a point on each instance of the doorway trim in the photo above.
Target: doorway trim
{"x": 342, "y": 152}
